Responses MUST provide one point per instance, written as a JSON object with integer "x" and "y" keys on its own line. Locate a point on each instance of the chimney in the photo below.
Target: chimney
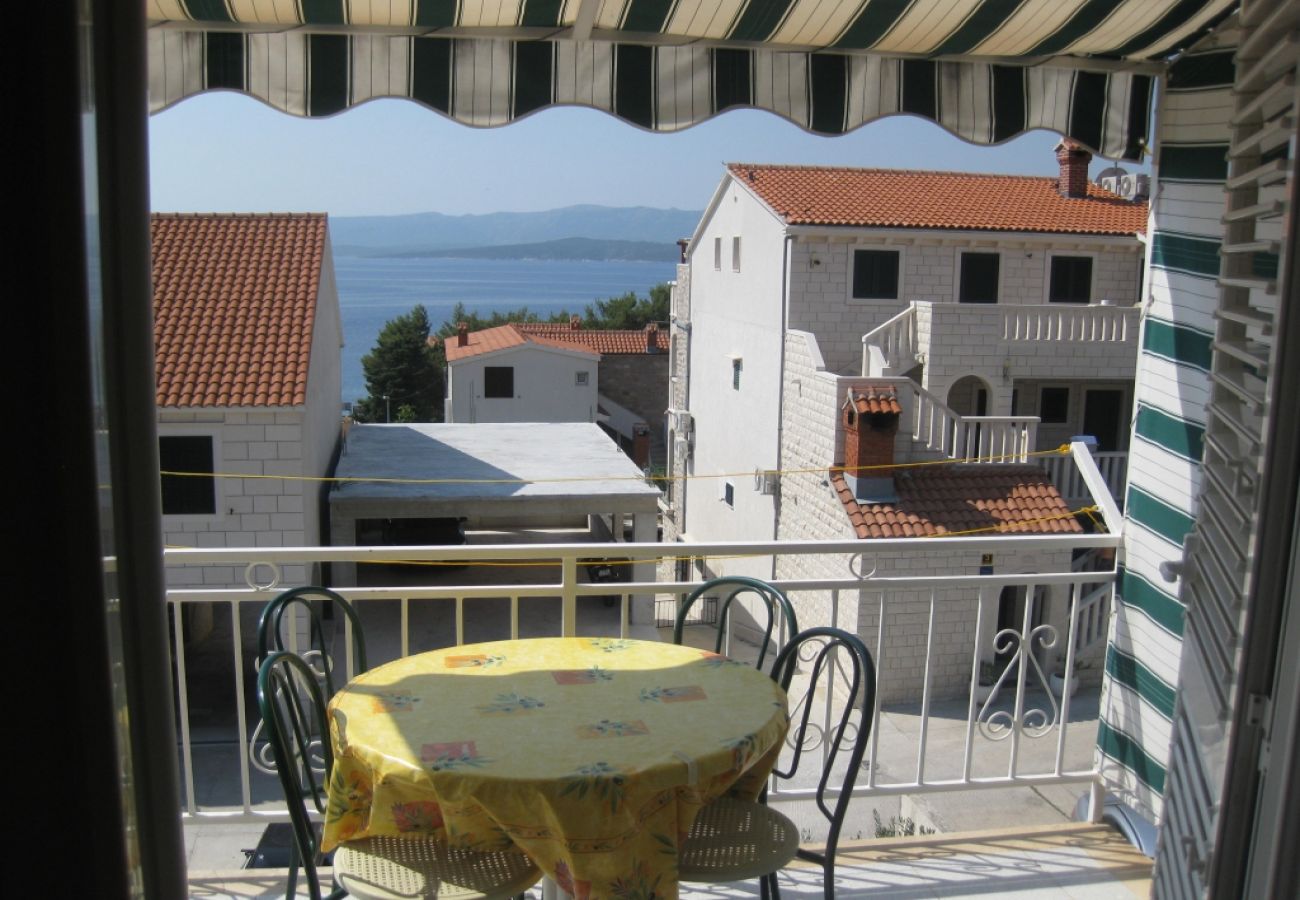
{"x": 575, "y": 323}
{"x": 1074, "y": 168}
{"x": 682, "y": 245}
{"x": 462, "y": 334}
{"x": 870, "y": 417}
{"x": 641, "y": 445}
{"x": 652, "y": 338}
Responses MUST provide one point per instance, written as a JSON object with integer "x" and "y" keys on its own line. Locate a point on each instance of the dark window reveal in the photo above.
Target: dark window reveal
{"x": 499, "y": 381}
{"x": 1071, "y": 279}
{"x": 979, "y": 278}
{"x": 1054, "y": 405}
{"x": 187, "y": 495}
{"x": 875, "y": 274}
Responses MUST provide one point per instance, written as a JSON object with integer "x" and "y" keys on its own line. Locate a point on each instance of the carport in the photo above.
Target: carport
{"x": 507, "y": 477}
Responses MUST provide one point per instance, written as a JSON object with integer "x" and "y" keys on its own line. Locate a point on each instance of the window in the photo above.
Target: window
{"x": 499, "y": 381}
{"x": 1071, "y": 279}
{"x": 735, "y": 254}
{"x": 979, "y": 278}
{"x": 1054, "y": 405}
{"x": 187, "y": 495}
{"x": 736, "y": 365}
{"x": 729, "y": 494}
{"x": 717, "y": 254}
{"x": 580, "y": 378}
{"x": 875, "y": 274}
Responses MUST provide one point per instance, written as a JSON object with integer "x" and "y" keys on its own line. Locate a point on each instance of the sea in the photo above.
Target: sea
{"x": 374, "y": 290}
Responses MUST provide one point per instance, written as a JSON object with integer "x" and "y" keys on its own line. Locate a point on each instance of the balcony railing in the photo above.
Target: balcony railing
{"x": 1113, "y": 466}
{"x": 1013, "y": 732}
{"x": 1065, "y": 322}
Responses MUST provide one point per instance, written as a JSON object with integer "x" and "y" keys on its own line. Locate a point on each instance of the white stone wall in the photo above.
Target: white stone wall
{"x": 545, "y": 387}
{"x": 251, "y": 512}
{"x": 734, "y": 315}
{"x": 821, "y": 279}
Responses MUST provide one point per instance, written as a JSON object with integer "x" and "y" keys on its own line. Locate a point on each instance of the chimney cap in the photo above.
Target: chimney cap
{"x": 873, "y": 399}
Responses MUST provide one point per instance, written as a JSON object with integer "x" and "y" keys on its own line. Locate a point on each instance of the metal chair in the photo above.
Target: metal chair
{"x": 376, "y": 868}
{"x": 270, "y": 637}
{"x": 776, "y": 607}
{"x": 733, "y": 839}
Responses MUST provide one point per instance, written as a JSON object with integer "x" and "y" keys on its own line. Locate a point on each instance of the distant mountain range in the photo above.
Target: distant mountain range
{"x": 573, "y": 232}
{"x": 564, "y": 248}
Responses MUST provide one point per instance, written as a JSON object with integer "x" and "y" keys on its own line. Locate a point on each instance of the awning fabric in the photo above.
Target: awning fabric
{"x": 986, "y": 70}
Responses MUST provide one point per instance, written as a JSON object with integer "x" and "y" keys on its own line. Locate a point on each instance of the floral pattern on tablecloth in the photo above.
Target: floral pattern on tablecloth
{"x": 591, "y": 755}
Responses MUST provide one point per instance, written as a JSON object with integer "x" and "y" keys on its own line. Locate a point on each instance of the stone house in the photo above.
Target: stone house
{"x": 247, "y": 338}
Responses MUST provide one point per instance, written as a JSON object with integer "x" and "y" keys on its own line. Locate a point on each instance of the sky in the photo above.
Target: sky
{"x": 225, "y": 152}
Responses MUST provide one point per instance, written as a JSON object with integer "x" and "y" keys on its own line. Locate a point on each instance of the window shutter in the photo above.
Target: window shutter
{"x": 1218, "y": 554}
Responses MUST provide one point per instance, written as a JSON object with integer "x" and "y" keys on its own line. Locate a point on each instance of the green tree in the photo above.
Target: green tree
{"x": 629, "y": 311}
{"x": 403, "y": 367}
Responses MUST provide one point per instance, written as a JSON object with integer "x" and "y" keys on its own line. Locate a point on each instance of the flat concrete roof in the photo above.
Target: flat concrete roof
{"x": 570, "y": 465}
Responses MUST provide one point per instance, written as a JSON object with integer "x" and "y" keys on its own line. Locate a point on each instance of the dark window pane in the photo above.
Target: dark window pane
{"x": 1054, "y": 405}
{"x": 979, "y": 278}
{"x": 186, "y": 494}
{"x": 498, "y": 381}
{"x": 875, "y": 274}
{"x": 1071, "y": 279}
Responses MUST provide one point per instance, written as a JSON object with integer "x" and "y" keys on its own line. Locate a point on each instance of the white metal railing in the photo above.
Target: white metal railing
{"x": 1062, "y": 322}
{"x": 937, "y": 428}
{"x": 1112, "y": 465}
{"x": 891, "y": 347}
{"x": 1019, "y": 716}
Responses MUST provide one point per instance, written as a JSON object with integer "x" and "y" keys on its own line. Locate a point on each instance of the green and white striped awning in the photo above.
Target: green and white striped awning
{"x": 986, "y": 70}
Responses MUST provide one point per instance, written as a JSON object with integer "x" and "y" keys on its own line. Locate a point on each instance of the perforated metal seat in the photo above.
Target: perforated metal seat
{"x": 733, "y": 839}
{"x": 394, "y": 868}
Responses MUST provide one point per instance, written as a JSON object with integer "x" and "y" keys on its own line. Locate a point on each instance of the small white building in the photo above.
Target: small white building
{"x": 506, "y": 375}
{"x": 247, "y": 339}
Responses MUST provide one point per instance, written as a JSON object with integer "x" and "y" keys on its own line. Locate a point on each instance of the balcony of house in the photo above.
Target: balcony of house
{"x": 980, "y": 743}
{"x": 1002, "y": 342}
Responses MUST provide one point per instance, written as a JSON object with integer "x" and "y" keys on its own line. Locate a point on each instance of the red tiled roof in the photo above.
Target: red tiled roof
{"x": 502, "y": 337}
{"x": 876, "y": 399}
{"x": 234, "y": 302}
{"x": 613, "y": 342}
{"x": 901, "y": 198}
{"x": 935, "y": 500}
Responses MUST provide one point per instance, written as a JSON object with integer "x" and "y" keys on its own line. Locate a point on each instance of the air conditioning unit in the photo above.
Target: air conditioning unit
{"x": 683, "y": 423}
{"x": 765, "y": 481}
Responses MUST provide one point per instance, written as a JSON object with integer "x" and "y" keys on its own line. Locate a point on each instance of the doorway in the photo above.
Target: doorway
{"x": 1103, "y": 417}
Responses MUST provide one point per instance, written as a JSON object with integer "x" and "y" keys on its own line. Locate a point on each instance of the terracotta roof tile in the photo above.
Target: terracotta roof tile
{"x": 936, "y": 500}
{"x": 628, "y": 342}
{"x": 876, "y": 399}
{"x": 234, "y": 302}
{"x": 901, "y": 198}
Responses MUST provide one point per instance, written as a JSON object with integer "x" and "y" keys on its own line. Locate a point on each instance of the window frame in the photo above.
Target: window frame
{"x": 737, "y": 368}
{"x": 717, "y": 254}
{"x": 728, "y": 494}
{"x": 581, "y": 378}
{"x": 1052, "y": 256}
{"x": 735, "y": 253}
{"x": 957, "y": 279}
{"x": 853, "y": 268}
{"x": 213, "y": 435}
{"x": 487, "y": 391}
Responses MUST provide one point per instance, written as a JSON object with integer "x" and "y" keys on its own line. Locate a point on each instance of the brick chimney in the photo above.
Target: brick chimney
{"x": 652, "y": 338}
{"x": 575, "y": 323}
{"x": 462, "y": 334}
{"x": 870, "y": 418}
{"x": 1074, "y": 161}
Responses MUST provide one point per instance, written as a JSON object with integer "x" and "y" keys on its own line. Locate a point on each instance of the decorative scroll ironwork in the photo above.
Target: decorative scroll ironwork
{"x": 998, "y": 725}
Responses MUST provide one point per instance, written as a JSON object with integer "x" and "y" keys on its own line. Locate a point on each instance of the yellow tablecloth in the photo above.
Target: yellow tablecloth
{"x": 592, "y": 755}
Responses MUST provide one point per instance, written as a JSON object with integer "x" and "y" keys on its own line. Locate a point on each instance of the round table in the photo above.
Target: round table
{"x": 592, "y": 755}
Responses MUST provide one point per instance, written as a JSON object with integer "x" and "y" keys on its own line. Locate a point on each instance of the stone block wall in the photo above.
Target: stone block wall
{"x": 251, "y": 512}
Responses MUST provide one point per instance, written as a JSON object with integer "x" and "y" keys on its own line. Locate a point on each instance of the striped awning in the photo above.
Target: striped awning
{"x": 986, "y": 70}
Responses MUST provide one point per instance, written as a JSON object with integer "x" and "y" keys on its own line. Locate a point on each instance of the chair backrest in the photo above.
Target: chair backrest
{"x": 311, "y": 600}
{"x": 293, "y": 709}
{"x": 822, "y": 654}
{"x": 774, "y": 607}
